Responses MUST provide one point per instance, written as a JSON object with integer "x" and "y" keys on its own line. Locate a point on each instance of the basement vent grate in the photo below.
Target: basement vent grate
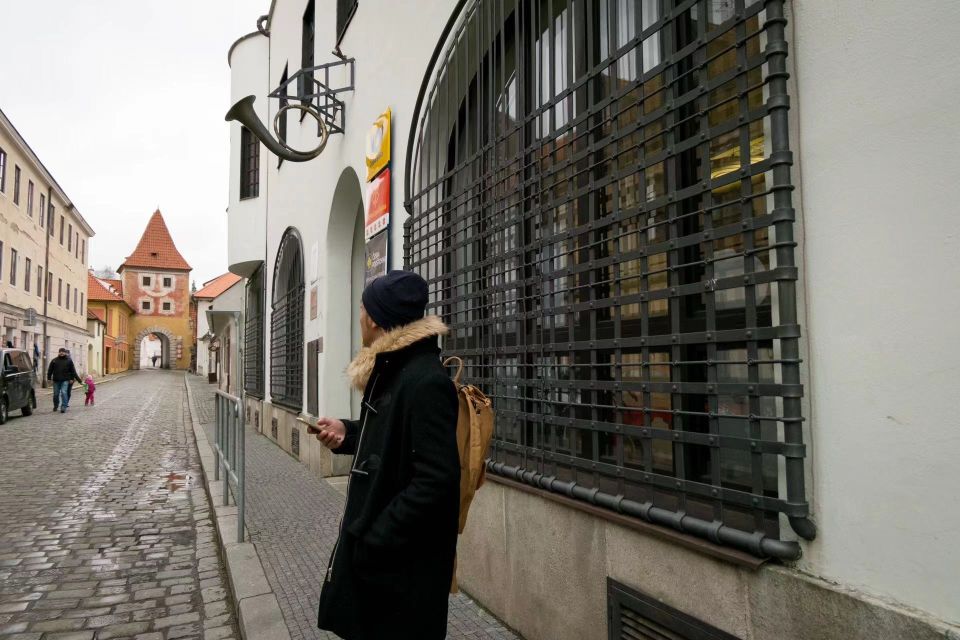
{"x": 273, "y": 428}
{"x": 632, "y": 615}
{"x": 295, "y": 441}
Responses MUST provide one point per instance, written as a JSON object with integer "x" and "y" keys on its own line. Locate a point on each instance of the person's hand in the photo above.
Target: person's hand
{"x": 331, "y": 432}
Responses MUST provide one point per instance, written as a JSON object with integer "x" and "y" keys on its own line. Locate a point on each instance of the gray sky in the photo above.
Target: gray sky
{"x": 123, "y": 100}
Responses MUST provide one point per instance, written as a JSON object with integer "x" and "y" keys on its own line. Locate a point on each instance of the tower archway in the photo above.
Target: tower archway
{"x": 170, "y": 347}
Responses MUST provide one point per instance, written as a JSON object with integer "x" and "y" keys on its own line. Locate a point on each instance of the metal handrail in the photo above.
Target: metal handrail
{"x": 230, "y": 448}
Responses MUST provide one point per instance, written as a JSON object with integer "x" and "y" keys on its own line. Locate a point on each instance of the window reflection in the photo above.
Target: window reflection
{"x": 583, "y": 213}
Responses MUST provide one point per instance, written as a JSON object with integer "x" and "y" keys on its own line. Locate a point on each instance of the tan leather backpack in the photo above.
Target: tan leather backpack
{"x": 474, "y": 432}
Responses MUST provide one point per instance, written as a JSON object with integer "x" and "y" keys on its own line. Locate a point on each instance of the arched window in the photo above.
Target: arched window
{"x": 600, "y": 200}
{"x": 286, "y": 324}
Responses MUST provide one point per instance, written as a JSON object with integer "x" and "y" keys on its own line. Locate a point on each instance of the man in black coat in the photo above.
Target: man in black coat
{"x": 63, "y": 373}
{"x": 390, "y": 572}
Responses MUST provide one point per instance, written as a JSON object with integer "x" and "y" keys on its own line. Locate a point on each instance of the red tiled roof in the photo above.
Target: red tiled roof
{"x": 156, "y": 249}
{"x": 98, "y": 289}
{"x": 116, "y": 284}
{"x": 213, "y": 288}
{"x": 96, "y": 314}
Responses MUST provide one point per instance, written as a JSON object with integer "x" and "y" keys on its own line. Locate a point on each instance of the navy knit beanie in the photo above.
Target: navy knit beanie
{"x": 395, "y": 299}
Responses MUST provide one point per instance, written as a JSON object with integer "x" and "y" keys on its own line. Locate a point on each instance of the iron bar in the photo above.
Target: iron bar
{"x": 230, "y": 449}
{"x": 600, "y": 200}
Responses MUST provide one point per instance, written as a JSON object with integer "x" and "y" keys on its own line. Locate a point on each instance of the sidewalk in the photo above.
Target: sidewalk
{"x": 293, "y": 518}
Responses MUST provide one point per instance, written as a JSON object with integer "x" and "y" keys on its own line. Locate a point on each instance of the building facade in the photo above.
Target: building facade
{"x": 668, "y": 239}
{"x": 219, "y": 330}
{"x": 107, "y": 304}
{"x": 44, "y": 243}
{"x": 155, "y": 283}
{"x": 97, "y": 329}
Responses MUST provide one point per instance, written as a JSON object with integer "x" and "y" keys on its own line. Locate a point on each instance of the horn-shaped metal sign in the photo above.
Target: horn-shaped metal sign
{"x": 244, "y": 113}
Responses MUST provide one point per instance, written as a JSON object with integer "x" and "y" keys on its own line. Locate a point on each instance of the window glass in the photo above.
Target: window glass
{"x": 286, "y": 325}
{"x": 16, "y": 185}
{"x": 22, "y": 362}
{"x": 591, "y": 200}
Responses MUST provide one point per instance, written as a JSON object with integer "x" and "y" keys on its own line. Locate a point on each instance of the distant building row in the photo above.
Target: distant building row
{"x": 48, "y": 297}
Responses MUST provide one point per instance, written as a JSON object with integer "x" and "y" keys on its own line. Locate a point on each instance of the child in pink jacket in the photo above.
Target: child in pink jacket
{"x": 90, "y": 387}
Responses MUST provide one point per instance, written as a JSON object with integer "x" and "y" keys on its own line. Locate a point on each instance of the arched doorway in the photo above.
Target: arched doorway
{"x": 345, "y": 269}
{"x": 154, "y": 351}
{"x": 155, "y": 341}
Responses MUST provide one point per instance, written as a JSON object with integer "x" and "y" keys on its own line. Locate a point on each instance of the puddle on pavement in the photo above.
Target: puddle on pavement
{"x": 176, "y": 481}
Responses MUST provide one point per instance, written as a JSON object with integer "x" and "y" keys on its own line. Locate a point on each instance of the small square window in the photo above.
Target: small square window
{"x": 145, "y": 305}
{"x": 146, "y": 281}
{"x": 168, "y": 282}
{"x": 166, "y": 306}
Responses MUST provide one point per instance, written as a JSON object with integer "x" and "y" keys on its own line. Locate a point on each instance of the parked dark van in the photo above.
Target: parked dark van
{"x": 16, "y": 383}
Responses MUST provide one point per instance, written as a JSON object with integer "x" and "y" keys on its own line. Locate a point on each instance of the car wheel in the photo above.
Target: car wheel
{"x": 28, "y": 408}
{"x": 3, "y": 410}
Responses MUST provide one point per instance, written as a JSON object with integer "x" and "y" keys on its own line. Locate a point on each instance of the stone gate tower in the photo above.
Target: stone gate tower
{"x": 156, "y": 284}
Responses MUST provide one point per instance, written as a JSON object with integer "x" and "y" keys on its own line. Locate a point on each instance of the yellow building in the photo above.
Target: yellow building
{"x": 108, "y": 305}
{"x": 44, "y": 243}
{"x": 155, "y": 283}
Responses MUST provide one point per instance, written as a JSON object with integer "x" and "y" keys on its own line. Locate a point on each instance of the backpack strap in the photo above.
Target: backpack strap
{"x": 459, "y": 362}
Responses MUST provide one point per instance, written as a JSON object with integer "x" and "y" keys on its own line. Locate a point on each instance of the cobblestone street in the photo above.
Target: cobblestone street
{"x": 293, "y": 518}
{"x": 105, "y": 530}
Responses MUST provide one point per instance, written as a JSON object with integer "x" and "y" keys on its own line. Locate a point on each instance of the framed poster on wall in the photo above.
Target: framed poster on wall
{"x": 378, "y": 205}
{"x": 376, "y": 257}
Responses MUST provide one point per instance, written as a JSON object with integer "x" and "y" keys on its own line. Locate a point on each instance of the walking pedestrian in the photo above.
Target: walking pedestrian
{"x": 62, "y": 372}
{"x": 154, "y": 359}
{"x": 390, "y": 572}
{"x": 89, "y": 387}
{"x": 36, "y": 358}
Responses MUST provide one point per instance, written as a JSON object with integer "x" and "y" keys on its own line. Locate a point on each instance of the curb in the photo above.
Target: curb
{"x": 258, "y": 611}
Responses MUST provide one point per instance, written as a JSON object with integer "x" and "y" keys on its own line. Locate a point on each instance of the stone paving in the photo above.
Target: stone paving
{"x": 293, "y": 518}
{"x": 105, "y": 530}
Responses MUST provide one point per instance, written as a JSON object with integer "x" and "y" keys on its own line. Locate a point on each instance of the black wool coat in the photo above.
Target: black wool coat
{"x": 62, "y": 370}
{"x": 390, "y": 572}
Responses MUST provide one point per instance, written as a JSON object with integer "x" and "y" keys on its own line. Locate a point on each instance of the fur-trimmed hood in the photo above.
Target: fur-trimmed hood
{"x": 394, "y": 340}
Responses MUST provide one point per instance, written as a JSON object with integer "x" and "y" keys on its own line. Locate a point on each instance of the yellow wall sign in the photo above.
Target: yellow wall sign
{"x": 378, "y": 145}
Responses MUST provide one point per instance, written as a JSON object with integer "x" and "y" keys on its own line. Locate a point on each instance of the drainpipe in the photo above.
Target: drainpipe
{"x": 45, "y": 289}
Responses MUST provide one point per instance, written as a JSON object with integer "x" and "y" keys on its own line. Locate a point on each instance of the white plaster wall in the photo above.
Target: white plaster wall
{"x": 94, "y": 348}
{"x": 231, "y": 300}
{"x": 246, "y": 230}
{"x": 389, "y": 68}
{"x": 879, "y": 151}
{"x": 203, "y": 355}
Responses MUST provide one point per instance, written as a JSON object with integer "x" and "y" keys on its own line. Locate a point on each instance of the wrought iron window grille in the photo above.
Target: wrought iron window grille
{"x": 600, "y": 200}
{"x": 286, "y": 350}
{"x": 314, "y": 86}
{"x": 253, "y": 336}
{"x": 287, "y": 324}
